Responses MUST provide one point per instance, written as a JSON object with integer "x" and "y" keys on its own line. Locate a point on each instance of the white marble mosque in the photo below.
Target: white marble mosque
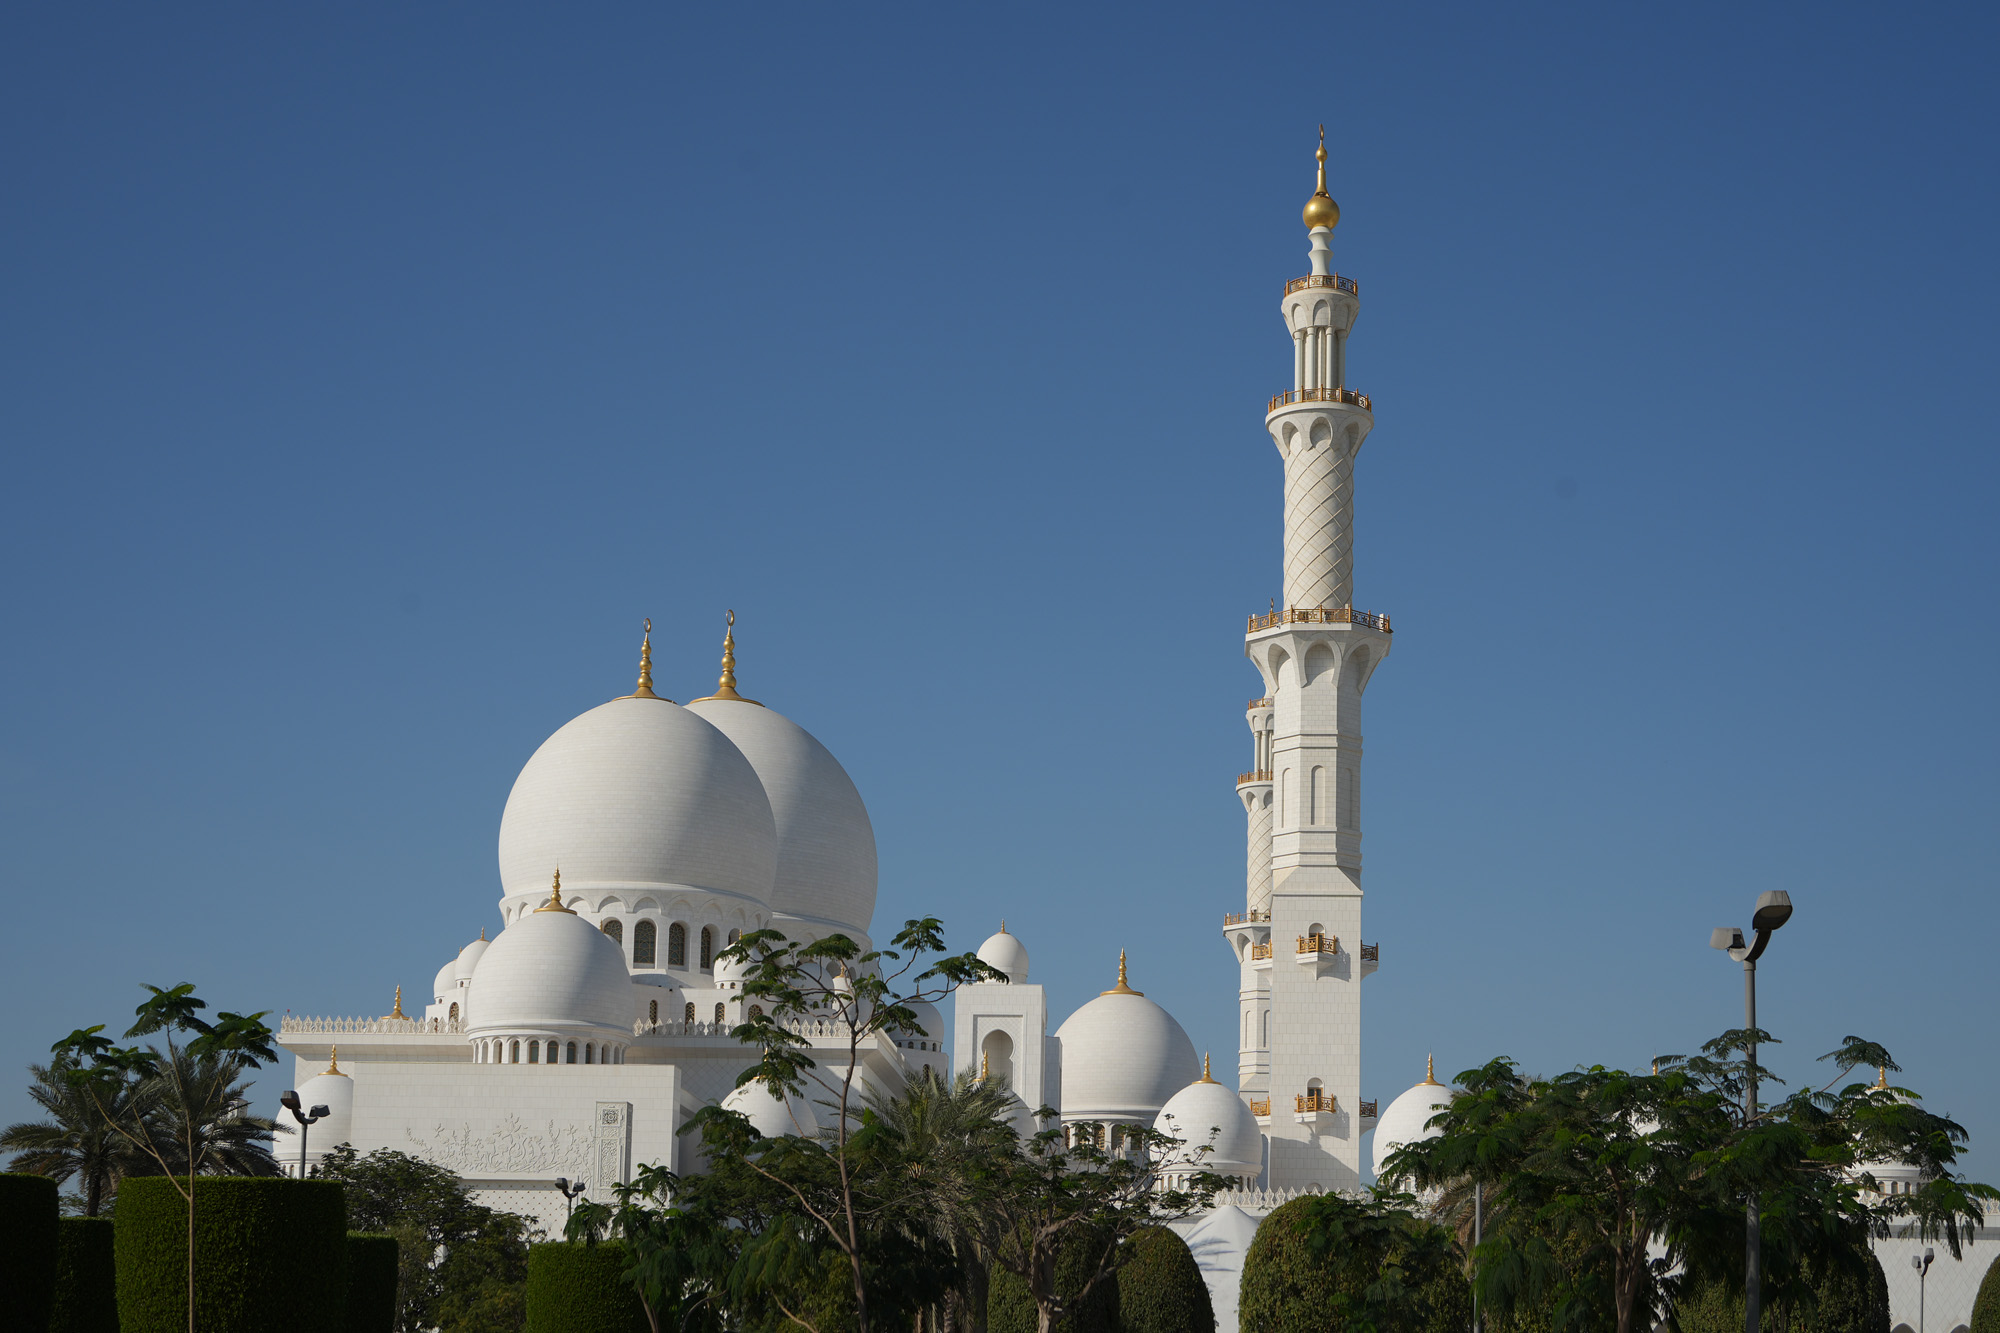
{"x": 644, "y": 836}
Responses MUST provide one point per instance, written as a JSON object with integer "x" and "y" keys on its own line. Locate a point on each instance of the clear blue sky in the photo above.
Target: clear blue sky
{"x": 370, "y": 374}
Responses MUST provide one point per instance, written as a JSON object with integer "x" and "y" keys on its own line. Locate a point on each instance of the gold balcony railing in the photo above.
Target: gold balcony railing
{"x": 1256, "y": 703}
{"x": 1319, "y": 944}
{"x": 1260, "y": 1108}
{"x": 1333, "y": 280}
{"x": 1348, "y": 396}
{"x": 1260, "y": 951}
{"x": 1368, "y": 1111}
{"x": 1244, "y": 918}
{"x": 1318, "y": 1101}
{"x": 1371, "y": 953}
{"x": 1320, "y": 615}
{"x": 1258, "y": 775}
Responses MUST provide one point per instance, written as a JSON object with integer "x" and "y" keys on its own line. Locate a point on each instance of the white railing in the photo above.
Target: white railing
{"x": 375, "y": 1026}
{"x": 681, "y": 1028}
{"x": 1264, "y": 1201}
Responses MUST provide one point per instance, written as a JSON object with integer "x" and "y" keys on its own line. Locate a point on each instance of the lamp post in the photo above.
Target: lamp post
{"x": 1774, "y": 908}
{"x": 571, "y": 1193}
{"x": 1922, "y": 1263}
{"x": 306, "y": 1119}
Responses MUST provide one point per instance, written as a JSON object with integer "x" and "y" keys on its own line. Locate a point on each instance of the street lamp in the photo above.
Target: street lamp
{"x": 1922, "y": 1263}
{"x": 306, "y": 1119}
{"x": 1774, "y": 909}
{"x": 571, "y": 1192}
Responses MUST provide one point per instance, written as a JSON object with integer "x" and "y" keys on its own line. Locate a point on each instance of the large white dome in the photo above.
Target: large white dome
{"x": 548, "y": 972}
{"x": 1404, "y": 1121}
{"x": 771, "y": 1117}
{"x": 1123, "y": 1057}
{"x": 1205, "y": 1114}
{"x": 826, "y": 845}
{"x": 638, "y": 792}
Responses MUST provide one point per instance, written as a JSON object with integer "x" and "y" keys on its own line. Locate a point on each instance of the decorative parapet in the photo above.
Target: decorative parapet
{"x": 1251, "y": 917}
{"x": 682, "y": 1029}
{"x": 1348, "y": 396}
{"x": 1311, "y": 1103}
{"x": 1267, "y": 1201}
{"x": 341, "y": 1027}
{"x": 1260, "y": 950}
{"x": 1256, "y": 703}
{"x": 1371, "y": 953}
{"x": 1254, "y": 775}
{"x": 1320, "y": 615}
{"x": 1333, "y": 280}
{"x": 1260, "y": 1108}
{"x": 1318, "y": 944}
{"x": 1368, "y": 1111}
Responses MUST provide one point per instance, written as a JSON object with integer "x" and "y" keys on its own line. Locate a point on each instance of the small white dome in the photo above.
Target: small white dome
{"x": 638, "y": 792}
{"x": 333, "y": 1090}
{"x": 1008, "y": 954}
{"x": 826, "y": 870}
{"x": 445, "y": 982}
{"x": 1206, "y": 1114}
{"x": 469, "y": 956}
{"x": 929, "y": 1019}
{"x": 550, "y": 970}
{"x": 730, "y": 973}
{"x": 769, "y": 1116}
{"x": 1123, "y": 1057}
{"x": 1404, "y": 1121}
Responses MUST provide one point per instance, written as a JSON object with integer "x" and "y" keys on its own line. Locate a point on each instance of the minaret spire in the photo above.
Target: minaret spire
{"x": 726, "y": 687}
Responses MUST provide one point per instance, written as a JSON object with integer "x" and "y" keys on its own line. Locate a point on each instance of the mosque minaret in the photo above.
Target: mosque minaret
{"x": 1298, "y": 939}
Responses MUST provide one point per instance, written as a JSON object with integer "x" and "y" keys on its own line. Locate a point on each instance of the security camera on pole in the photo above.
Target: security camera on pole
{"x": 1774, "y": 908}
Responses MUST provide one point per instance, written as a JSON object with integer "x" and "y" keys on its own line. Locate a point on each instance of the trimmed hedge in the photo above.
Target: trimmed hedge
{"x": 1010, "y": 1307}
{"x": 1285, "y": 1288}
{"x": 270, "y": 1253}
{"x": 86, "y": 1277}
{"x": 1847, "y": 1303}
{"x": 582, "y": 1289}
{"x": 1160, "y": 1288}
{"x": 371, "y": 1282}
{"x": 28, "y": 1211}
{"x": 1986, "y": 1306}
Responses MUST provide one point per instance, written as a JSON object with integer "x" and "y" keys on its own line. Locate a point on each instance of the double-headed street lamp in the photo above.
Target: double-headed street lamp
{"x": 570, "y": 1192}
{"x": 306, "y": 1119}
{"x": 1774, "y": 909}
{"x": 1922, "y": 1263}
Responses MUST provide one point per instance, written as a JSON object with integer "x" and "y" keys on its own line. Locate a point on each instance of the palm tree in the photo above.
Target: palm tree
{"x": 77, "y": 1141}
{"x": 950, "y": 1132}
{"x": 198, "y": 1108}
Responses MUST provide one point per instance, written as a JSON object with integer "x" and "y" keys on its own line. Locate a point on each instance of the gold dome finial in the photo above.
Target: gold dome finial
{"x": 1321, "y": 211}
{"x": 333, "y": 1058}
{"x": 1430, "y": 1073}
{"x": 1123, "y": 987}
{"x": 984, "y": 1068}
{"x": 554, "y": 904}
{"x": 1882, "y": 1077}
{"x": 726, "y": 687}
{"x": 645, "y": 690}
{"x": 1206, "y": 1077}
{"x": 482, "y": 932}
{"x": 397, "y": 1011}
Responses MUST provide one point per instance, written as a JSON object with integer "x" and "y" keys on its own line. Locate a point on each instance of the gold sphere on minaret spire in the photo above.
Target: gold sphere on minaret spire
{"x": 1321, "y": 211}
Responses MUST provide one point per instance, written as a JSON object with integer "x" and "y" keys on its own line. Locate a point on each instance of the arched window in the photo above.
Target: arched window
{"x": 756, "y": 1011}
{"x": 513, "y": 1052}
{"x": 677, "y": 945}
{"x": 690, "y": 1013}
{"x": 644, "y": 941}
{"x": 653, "y": 1012}
{"x": 534, "y": 1052}
{"x": 615, "y": 929}
{"x": 589, "y": 1053}
{"x": 734, "y": 936}
{"x": 720, "y": 1013}
{"x": 571, "y": 1053}
{"x": 454, "y": 1011}
{"x": 707, "y": 948}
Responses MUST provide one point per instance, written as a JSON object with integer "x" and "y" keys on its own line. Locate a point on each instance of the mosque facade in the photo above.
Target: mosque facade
{"x": 645, "y": 836}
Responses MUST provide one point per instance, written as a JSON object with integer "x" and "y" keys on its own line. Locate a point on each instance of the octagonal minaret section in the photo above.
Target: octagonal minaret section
{"x": 1298, "y": 938}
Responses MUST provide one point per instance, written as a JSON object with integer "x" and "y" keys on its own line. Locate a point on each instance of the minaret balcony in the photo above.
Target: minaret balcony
{"x": 1348, "y": 396}
{"x": 1320, "y": 615}
{"x": 1371, "y": 958}
{"x": 1256, "y": 704}
{"x": 1316, "y": 1108}
{"x": 1368, "y": 1111}
{"x": 1261, "y": 1109}
{"x": 1253, "y": 777}
{"x": 1333, "y": 280}
{"x": 1244, "y": 918}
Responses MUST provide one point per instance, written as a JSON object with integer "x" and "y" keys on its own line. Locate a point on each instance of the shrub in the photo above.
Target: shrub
{"x": 1844, "y": 1301}
{"x": 1010, "y": 1307}
{"x": 1986, "y": 1306}
{"x": 371, "y": 1282}
{"x": 28, "y": 1212}
{"x": 582, "y": 1289}
{"x": 1285, "y": 1288}
{"x": 269, "y": 1253}
{"x": 1160, "y": 1289}
{"x": 86, "y": 1277}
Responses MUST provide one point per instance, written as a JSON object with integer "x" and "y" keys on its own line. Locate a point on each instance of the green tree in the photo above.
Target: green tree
{"x": 195, "y": 1112}
{"x": 98, "y": 1069}
{"x": 461, "y": 1265}
{"x": 77, "y": 1143}
{"x": 1986, "y": 1306}
{"x": 1332, "y": 1262}
{"x": 1160, "y": 1287}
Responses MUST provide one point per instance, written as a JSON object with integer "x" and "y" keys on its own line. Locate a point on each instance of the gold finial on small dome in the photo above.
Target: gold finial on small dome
{"x": 482, "y": 932}
{"x": 397, "y": 1011}
{"x": 1882, "y": 1077}
{"x": 554, "y": 904}
{"x": 1123, "y": 987}
{"x": 645, "y": 690}
{"x": 1003, "y": 925}
{"x": 984, "y": 1069}
{"x": 333, "y": 1058}
{"x": 726, "y": 687}
{"x": 1430, "y": 1073}
{"x": 1321, "y": 211}
{"x": 1206, "y": 1077}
